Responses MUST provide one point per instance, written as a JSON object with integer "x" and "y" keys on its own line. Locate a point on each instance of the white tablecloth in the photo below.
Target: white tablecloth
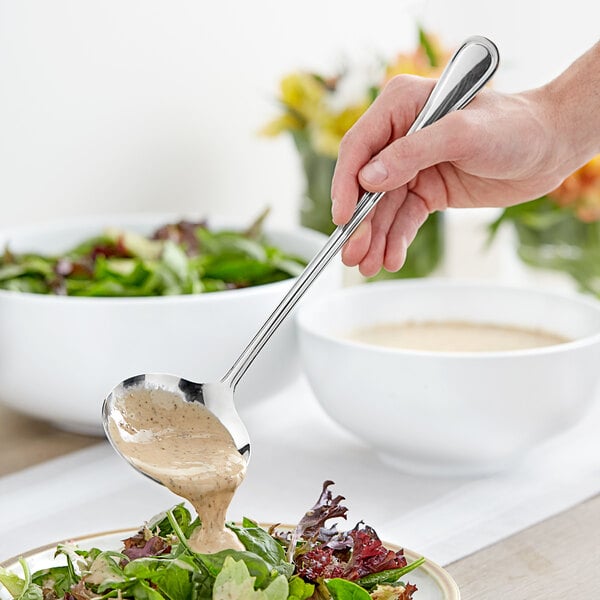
{"x": 295, "y": 448}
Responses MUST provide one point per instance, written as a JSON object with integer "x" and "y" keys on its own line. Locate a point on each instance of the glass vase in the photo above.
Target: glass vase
{"x": 315, "y": 208}
{"x": 566, "y": 244}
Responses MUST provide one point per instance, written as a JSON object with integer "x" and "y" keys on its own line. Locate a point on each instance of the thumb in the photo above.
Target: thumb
{"x": 399, "y": 162}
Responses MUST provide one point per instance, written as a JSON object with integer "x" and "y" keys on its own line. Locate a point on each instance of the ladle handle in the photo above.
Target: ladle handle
{"x": 472, "y": 65}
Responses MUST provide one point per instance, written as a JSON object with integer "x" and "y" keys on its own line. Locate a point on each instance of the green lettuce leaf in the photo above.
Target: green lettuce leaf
{"x": 257, "y": 540}
{"x": 60, "y": 579}
{"x": 21, "y": 588}
{"x": 299, "y": 589}
{"x": 12, "y": 582}
{"x": 234, "y": 582}
{"x": 342, "y": 589}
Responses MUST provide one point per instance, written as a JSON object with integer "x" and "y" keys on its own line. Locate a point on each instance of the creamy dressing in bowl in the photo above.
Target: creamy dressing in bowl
{"x": 454, "y": 336}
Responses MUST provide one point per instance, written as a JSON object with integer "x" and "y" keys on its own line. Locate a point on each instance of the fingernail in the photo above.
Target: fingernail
{"x": 374, "y": 172}
{"x": 333, "y": 203}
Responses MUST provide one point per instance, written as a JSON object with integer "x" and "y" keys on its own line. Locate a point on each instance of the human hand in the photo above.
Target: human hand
{"x": 500, "y": 150}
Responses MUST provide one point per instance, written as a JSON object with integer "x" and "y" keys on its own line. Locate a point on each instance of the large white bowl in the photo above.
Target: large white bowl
{"x": 60, "y": 356}
{"x": 451, "y": 413}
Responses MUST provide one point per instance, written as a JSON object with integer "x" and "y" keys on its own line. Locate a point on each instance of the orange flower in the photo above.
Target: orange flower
{"x": 427, "y": 60}
{"x": 581, "y": 192}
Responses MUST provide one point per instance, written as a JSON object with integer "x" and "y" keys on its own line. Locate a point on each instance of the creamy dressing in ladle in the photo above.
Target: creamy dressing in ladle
{"x": 185, "y": 447}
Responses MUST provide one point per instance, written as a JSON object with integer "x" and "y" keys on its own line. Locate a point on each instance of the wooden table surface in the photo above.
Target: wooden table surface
{"x": 556, "y": 559}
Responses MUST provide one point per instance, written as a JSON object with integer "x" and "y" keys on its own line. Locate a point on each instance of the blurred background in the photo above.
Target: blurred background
{"x": 121, "y": 106}
{"x": 154, "y": 106}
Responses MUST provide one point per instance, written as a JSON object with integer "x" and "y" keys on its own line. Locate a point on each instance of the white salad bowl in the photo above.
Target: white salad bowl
{"x": 60, "y": 356}
{"x": 451, "y": 413}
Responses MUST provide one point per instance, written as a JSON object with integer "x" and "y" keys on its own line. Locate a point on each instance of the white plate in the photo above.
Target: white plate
{"x": 433, "y": 582}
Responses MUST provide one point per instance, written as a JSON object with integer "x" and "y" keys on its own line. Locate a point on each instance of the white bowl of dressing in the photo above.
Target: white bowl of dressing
{"x": 445, "y": 377}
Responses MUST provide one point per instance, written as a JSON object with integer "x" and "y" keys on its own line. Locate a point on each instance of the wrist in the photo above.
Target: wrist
{"x": 568, "y": 106}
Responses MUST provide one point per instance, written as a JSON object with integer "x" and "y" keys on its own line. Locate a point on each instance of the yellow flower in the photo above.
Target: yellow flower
{"x": 331, "y": 128}
{"x": 302, "y": 92}
{"x": 311, "y": 102}
{"x": 285, "y": 122}
{"x": 302, "y": 96}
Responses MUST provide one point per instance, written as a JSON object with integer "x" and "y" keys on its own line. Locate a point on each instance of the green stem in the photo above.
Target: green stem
{"x": 178, "y": 531}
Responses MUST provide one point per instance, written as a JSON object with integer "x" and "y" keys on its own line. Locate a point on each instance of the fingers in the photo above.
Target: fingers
{"x": 372, "y": 260}
{"x": 358, "y": 245}
{"x": 383, "y": 240}
{"x": 409, "y": 218}
{"x": 377, "y": 155}
{"x": 367, "y": 246}
{"x": 388, "y": 117}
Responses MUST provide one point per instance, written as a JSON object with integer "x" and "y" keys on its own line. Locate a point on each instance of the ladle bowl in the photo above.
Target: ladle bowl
{"x": 468, "y": 71}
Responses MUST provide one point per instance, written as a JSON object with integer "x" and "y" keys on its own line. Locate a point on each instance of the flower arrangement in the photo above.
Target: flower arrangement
{"x": 317, "y": 110}
{"x": 561, "y": 230}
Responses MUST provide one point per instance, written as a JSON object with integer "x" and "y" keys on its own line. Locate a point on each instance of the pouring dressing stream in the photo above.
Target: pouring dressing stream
{"x": 188, "y": 436}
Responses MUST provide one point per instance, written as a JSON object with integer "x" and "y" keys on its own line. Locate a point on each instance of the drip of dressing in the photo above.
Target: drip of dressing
{"x": 185, "y": 447}
{"x": 454, "y": 336}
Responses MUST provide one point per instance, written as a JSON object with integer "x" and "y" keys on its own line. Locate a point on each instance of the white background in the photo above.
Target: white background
{"x": 151, "y": 105}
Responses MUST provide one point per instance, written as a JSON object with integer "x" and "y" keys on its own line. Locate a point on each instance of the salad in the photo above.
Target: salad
{"x": 178, "y": 258}
{"x": 313, "y": 561}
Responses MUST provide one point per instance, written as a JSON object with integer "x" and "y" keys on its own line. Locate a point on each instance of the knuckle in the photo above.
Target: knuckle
{"x": 347, "y": 142}
{"x": 400, "y": 83}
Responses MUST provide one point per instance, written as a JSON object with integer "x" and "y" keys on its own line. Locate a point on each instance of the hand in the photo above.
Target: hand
{"x": 500, "y": 150}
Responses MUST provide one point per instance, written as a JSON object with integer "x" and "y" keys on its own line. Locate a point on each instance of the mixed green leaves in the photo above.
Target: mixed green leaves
{"x": 157, "y": 563}
{"x": 21, "y": 589}
{"x": 178, "y": 258}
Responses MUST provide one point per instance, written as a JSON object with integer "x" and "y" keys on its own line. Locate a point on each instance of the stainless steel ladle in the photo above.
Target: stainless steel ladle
{"x": 468, "y": 71}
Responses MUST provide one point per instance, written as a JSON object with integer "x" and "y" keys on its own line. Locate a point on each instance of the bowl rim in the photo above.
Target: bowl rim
{"x": 149, "y": 219}
{"x": 310, "y": 329}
